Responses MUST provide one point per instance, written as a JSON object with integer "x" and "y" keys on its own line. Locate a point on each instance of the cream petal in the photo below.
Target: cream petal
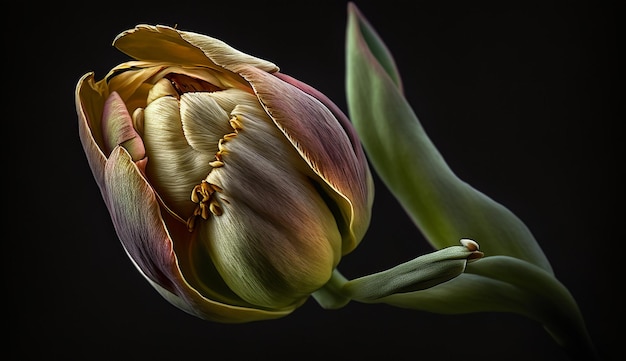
{"x": 133, "y": 81}
{"x": 229, "y": 98}
{"x": 276, "y": 240}
{"x": 163, "y": 87}
{"x": 174, "y": 167}
{"x": 204, "y": 121}
{"x": 163, "y": 43}
{"x": 323, "y": 144}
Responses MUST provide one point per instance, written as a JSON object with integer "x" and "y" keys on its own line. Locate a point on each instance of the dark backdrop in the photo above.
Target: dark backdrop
{"x": 520, "y": 99}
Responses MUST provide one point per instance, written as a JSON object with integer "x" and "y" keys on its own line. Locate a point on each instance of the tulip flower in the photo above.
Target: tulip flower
{"x": 234, "y": 189}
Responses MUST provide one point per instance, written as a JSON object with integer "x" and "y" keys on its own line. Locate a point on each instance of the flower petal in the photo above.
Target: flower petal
{"x": 275, "y": 241}
{"x": 204, "y": 121}
{"x": 323, "y": 144}
{"x": 163, "y": 43}
{"x": 174, "y": 167}
{"x": 140, "y": 226}
{"x": 89, "y": 104}
{"x": 117, "y": 128}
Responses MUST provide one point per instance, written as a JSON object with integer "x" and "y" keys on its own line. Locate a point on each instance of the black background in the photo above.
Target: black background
{"x": 521, "y": 99}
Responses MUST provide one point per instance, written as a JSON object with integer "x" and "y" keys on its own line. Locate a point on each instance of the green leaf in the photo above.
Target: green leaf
{"x": 444, "y": 207}
{"x": 506, "y": 284}
{"x": 515, "y": 276}
{"x": 417, "y": 274}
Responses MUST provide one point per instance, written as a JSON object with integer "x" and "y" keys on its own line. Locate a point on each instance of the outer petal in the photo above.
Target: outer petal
{"x": 323, "y": 144}
{"x": 89, "y": 103}
{"x": 345, "y": 124}
{"x": 140, "y": 226}
{"x": 163, "y": 43}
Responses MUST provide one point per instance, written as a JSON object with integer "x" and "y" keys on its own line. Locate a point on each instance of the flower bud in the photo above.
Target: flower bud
{"x": 233, "y": 188}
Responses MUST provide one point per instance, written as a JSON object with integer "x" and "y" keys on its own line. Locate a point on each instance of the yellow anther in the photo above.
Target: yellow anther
{"x": 215, "y": 208}
{"x": 194, "y": 194}
{"x": 220, "y": 145}
{"x": 204, "y": 212}
{"x": 191, "y": 222}
{"x": 202, "y": 195}
{"x": 235, "y": 124}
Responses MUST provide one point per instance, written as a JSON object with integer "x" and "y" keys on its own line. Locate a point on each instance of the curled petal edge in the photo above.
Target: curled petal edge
{"x": 87, "y": 111}
{"x": 164, "y": 43}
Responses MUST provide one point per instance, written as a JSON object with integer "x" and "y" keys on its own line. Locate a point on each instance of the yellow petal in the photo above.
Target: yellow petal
{"x": 163, "y": 43}
{"x": 174, "y": 167}
{"x": 89, "y": 104}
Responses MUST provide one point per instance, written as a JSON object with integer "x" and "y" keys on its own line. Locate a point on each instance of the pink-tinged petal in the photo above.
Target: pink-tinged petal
{"x": 322, "y": 142}
{"x": 117, "y": 128}
{"x": 136, "y": 217}
{"x": 345, "y": 123}
{"x": 338, "y": 113}
{"x": 89, "y": 105}
{"x": 166, "y": 44}
{"x": 142, "y": 230}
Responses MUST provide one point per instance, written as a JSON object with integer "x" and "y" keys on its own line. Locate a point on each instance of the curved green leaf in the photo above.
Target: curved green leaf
{"x": 444, "y": 207}
{"x": 506, "y": 284}
{"x": 515, "y": 276}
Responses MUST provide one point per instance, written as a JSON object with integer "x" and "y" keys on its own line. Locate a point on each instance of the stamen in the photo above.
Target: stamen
{"x": 204, "y": 212}
{"x": 220, "y": 145}
{"x": 235, "y": 124}
{"x": 215, "y": 208}
{"x": 191, "y": 222}
{"x": 194, "y": 194}
{"x": 207, "y": 190}
{"x": 203, "y": 194}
